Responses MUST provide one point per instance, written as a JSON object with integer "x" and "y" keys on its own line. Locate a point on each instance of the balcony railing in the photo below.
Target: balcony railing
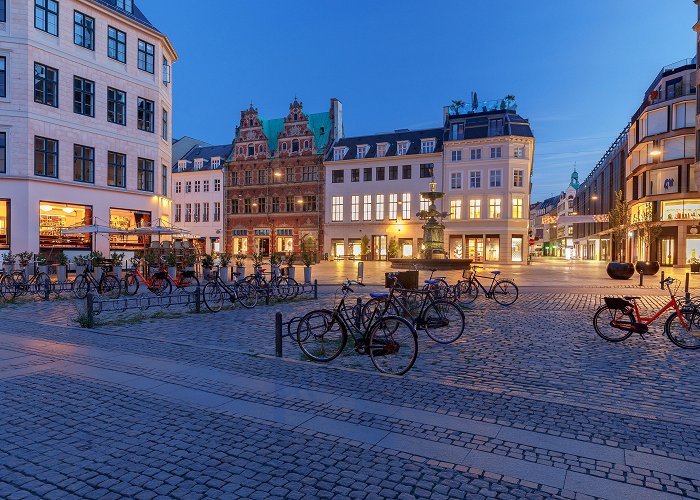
{"x": 671, "y": 92}
{"x": 483, "y": 106}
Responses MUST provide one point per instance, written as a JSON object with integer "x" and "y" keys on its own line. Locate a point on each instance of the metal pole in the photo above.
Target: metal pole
{"x": 641, "y": 279}
{"x": 360, "y": 271}
{"x": 662, "y": 279}
{"x": 267, "y": 295}
{"x": 687, "y": 287}
{"x": 278, "y": 334}
{"x": 90, "y": 311}
{"x": 315, "y": 289}
{"x": 47, "y": 287}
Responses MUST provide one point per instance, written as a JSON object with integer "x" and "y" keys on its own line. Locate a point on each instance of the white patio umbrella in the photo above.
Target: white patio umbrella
{"x": 93, "y": 229}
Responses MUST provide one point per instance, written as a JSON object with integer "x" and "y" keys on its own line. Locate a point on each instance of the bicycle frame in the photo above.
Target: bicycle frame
{"x": 474, "y": 278}
{"x": 648, "y": 320}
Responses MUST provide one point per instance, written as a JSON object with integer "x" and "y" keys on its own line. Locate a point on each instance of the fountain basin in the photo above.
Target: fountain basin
{"x": 426, "y": 264}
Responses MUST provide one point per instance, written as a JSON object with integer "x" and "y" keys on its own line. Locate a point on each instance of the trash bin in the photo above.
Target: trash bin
{"x": 407, "y": 279}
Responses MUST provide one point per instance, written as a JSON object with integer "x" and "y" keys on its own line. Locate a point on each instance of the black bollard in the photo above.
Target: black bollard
{"x": 278, "y": 334}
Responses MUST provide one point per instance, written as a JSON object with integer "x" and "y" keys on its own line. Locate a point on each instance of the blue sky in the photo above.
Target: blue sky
{"x": 577, "y": 68}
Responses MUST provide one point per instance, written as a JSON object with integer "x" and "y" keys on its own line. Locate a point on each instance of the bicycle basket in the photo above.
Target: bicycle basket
{"x": 161, "y": 275}
{"x": 617, "y": 303}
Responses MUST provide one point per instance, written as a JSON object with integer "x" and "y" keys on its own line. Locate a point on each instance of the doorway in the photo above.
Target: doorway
{"x": 667, "y": 251}
{"x": 263, "y": 246}
{"x": 379, "y": 247}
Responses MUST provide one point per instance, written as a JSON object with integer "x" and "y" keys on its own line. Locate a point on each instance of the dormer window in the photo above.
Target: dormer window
{"x": 381, "y": 149}
{"x": 296, "y": 117}
{"x": 284, "y": 146}
{"x": 250, "y": 122}
{"x": 339, "y": 153}
{"x": 362, "y": 151}
{"x": 427, "y": 146}
{"x": 182, "y": 165}
{"x": 402, "y": 147}
{"x": 127, "y": 5}
{"x": 251, "y": 150}
{"x": 198, "y": 163}
{"x": 215, "y": 162}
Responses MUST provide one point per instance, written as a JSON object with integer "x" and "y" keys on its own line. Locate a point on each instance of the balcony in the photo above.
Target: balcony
{"x": 672, "y": 92}
{"x": 484, "y": 106}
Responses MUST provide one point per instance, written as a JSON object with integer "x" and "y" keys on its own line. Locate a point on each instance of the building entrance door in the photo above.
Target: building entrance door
{"x": 379, "y": 247}
{"x": 475, "y": 249}
{"x": 667, "y": 250}
{"x": 263, "y": 246}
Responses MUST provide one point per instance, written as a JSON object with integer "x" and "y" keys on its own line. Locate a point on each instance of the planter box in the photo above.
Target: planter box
{"x": 241, "y": 273}
{"x": 7, "y": 268}
{"x": 291, "y": 272}
{"x": 117, "y": 270}
{"x": 275, "y": 271}
{"x": 620, "y": 270}
{"x": 223, "y": 274}
{"x": 407, "y": 279}
{"x": 695, "y": 268}
{"x": 44, "y": 269}
{"x": 79, "y": 270}
{"x": 307, "y": 275}
{"x": 98, "y": 273}
{"x": 62, "y": 274}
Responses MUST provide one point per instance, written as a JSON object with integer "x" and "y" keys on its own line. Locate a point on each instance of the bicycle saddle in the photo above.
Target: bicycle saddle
{"x": 630, "y": 297}
{"x": 495, "y": 273}
{"x": 236, "y": 274}
{"x": 432, "y": 282}
{"x": 379, "y": 295}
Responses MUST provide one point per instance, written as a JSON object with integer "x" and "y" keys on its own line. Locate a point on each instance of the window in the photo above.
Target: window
{"x": 116, "y": 106}
{"x": 683, "y": 115}
{"x": 247, "y": 206}
{"x": 475, "y": 154}
{"x": 337, "y": 209}
{"x": 188, "y": 212}
{"x": 275, "y": 204}
{"x": 367, "y": 207}
{"x": 146, "y": 114}
{"x": 456, "y": 209}
{"x": 248, "y": 178}
{"x": 45, "y": 157}
{"x": 215, "y": 162}
{"x": 381, "y": 150}
{"x": 456, "y": 156}
{"x": 178, "y": 187}
{"x": 290, "y": 174}
{"x": 262, "y": 205}
{"x": 495, "y": 127}
{"x": 406, "y": 172}
{"x": 83, "y": 30}
{"x": 262, "y": 178}
{"x": 289, "y": 204}
{"x": 474, "y": 180}
{"x": 381, "y": 171}
{"x": 361, "y": 151}
{"x": 308, "y": 174}
{"x": 83, "y": 96}
{"x": 46, "y": 16}
{"x": 295, "y": 146}
{"x": 426, "y": 170}
{"x": 251, "y": 150}
{"x": 519, "y": 152}
{"x": 3, "y": 11}
{"x": 379, "y": 207}
{"x": 145, "y": 175}
{"x": 234, "y": 206}
{"x": 3, "y": 152}
{"x": 367, "y": 175}
{"x": 116, "y": 44}
{"x": 146, "y": 57}
{"x": 197, "y": 186}
{"x": 3, "y": 77}
{"x": 45, "y": 85}
{"x": 475, "y": 209}
{"x": 355, "y": 175}
{"x": 427, "y": 146}
{"x": 517, "y": 208}
{"x": 234, "y": 180}
{"x": 165, "y": 126}
{"x": 188, "y": 186}
{"x": 495, "y": 178}
{"x": 178, "y": 212}
{"x": 166, "y": 71}
{"x": 457, "y": 131}
{"x": 496, "y": 152}
{"x": 309, "y": 204}
{"x": 217, "y": 210}
{"x": 83, "y": 163}
{"x": 393, "y": 204}
{"x": 456, "y": 180}
{"x": 197, "y": 210}
{"x": 402, "y": 148}
{"x": 217, "y": 185}
{"x": 205, "y": 212}
{"x": 338, "y": 153}
{"x": 354, "y": 208}
{"x": 495, "y": 208}
{"x": 393, "y": 172}
{"x": 205, "y": 186}
{"x": 127, "y": 5}
{"x": 338, "y": 176}
{"x": 116, "y": 169}
{"x": 518, "y": 176}
{"x": 406, "y": 206}
{"x": 164, "y": 180}
{"x": 424, "y": 204}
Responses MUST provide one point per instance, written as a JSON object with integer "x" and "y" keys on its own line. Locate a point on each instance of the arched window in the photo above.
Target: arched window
{"x": 306, "y": 144}
{"x": 251, "y": 150}
{"x": 295, "y": 146}
{"x": 296, "y": 117}
{"x": 260, "y": 149}
{"x": 284, "y": 146}
{"x": 240, "y": 150}
{"x": 250, "y": 122}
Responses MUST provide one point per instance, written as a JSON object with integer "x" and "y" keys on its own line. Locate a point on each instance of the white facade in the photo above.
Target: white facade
{"x": 57, "y": 158}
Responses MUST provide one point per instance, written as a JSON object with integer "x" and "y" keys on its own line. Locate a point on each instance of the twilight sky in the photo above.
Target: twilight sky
{"x": 577, "y": 68}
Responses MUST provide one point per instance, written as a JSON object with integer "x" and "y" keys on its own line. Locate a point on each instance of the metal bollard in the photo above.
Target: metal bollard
{"x": 47, "y": 288}
{"x": 641, "y": 279}
{"x": 687, "y": 287}
{"x": 662, "y": 279}
{"x": 315, "y": 289}
{"x": 90, "y": 310}
{"x": 278, "y": 334}
{"x": 360, "y": 271}
{"x": 197, "y": 301}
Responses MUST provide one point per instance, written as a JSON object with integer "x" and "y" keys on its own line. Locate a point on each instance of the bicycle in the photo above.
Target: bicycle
{"x": 391, "y": 342}
{"x": 158, "y": 282}
{"x": 502, "y": 290}
{"x": 23, "y": 285}
{"x": 8, "y": 289}
{"x": 282, "y": 286}
{"x": 213, "y": 293}
{"x": 441, "y": 319}
{"x": 183, "y": 280}
{"x": 619, "y": 318}
{"x": 439, "y": 286}
{"x": 107, "y": 285}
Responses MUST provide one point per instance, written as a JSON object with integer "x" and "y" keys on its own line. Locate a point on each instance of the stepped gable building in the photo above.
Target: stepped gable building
{"x": 274, "y": 181}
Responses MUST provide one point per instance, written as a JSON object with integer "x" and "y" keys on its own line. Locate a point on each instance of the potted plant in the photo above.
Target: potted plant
{"x": 153, "y": 262}
{"x": 24, "y": 259}
{"x": 8, "y": 262}
{"x": 240, "y": 266}
{"x": 224, "y": 262}
{"x": 96, "y": 261}
{"x": 190, "y": 261}
{"x": 308, "y": 259}
{"x": 290, "y": 260}
{"x": 257, "y": 261}
{"x": 694, "y": 265}
{"x": 117, "y": 262}
{"x": 171, "y": 260}
{"x": 393, "y": 249}
{"x": 649, "y": 227}
{"x": 80, "y": 264}
{"x": 364, "y": 248}
{"x": 620, "y": 224}
{"x": 62, "y": 268}
{"x": 207, "y": 264}
{"x": 275, "y": 261}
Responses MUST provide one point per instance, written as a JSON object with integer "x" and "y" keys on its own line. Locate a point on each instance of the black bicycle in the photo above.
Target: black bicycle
{"x": 502, "y": 290}
{"x": 215, "y": 290}
{"x": 279, "y": 286}
{"x": 390, "y": 342}
{"x": 108, "y": 285}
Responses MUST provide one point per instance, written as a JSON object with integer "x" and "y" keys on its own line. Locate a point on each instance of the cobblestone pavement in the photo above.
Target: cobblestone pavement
{"x": 528, "y": 403}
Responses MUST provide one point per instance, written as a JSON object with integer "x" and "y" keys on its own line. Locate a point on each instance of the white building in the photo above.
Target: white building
{"x": 373, "y": 185}
{"x": 85, "y": 123}
{"x": 198, "y": 195}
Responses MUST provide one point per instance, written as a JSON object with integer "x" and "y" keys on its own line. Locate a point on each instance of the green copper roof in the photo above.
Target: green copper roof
{"x": 272, "y": 130}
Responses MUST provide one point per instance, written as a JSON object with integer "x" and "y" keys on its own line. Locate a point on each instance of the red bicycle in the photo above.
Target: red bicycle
{"x": 619, "y": 318}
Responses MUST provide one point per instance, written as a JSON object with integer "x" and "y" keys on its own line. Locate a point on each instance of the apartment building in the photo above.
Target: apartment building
{"x": 85, "y": 123}
{"x": 373, "y": 186}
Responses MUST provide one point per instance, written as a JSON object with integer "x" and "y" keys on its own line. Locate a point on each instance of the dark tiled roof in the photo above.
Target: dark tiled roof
{"x": 137, "y": 16}
{"x": 205, "y": 152}
{"x": 476, "y": 125}
{"x": 414, "y": 136}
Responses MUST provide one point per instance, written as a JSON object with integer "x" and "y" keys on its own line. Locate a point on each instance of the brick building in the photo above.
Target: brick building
{"x": 274, "y": 188}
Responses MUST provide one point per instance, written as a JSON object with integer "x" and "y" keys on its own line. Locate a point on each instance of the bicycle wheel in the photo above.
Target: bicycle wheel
{"x": 247, "y": 295}
{"x": 294, "y": 288}
{"x": 20, "y": 283}
{"x": 161, "y": 286}
{"x": 687, "y": 337}
{"x": 280, "y": 288}
{"x": 443, "y": 321}
{"x": 440, "y": 290}
{"x": 189, "y": 283}
{"x": 321, "y": 335}
{"x": 109, "y": 286}
{"x": 213, "y": 296}
{"x": 505, "y": 292}
{"x": 466, "y": 291}
{"x": 39, "y": 284}
{"x": 603, "y": 323}
{"x": 8, "y": 287}
{"x": 373, "y": 309}
{"x": 393, "y": 345}
{"x": 131, "y": 284}
{"x": 81, "y": 287}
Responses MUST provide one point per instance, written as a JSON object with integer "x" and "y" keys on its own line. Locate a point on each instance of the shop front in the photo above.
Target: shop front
{"x": 406, "y": 248}
{"x": 54, "y": 217}
{"x": 4, "y": 224}
{"x": 338, "y": 248}
{"x": 493, "y": 248}
{"x": 239, "y": 241}
{"x": 261, "y": 241}
{"x": 475, "y": 248}
{"x": 456, "y": 247}
{"x": 124, "y": 219}
{"x": 516, "y": 248}
{"x": 285, "y": 240}
{"x": 379, "y": 247}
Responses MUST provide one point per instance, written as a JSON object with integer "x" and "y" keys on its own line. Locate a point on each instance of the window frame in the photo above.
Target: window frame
{"x": 145, "y": 175}
{"x": 337, "y": 209}
{"x": 113, "y": 106}
{"x": 48, "y": 87}
{"x": 48, "y": 14}
{"x": 79, "y": 105}
{"x": 114, "y": 43}
{"x": 80, "y": 28}
{"x": 145, "y": 115}
{"x": 495, "y": 178}
{"x": 146, "y": 53}
{"x": 3, "y": 76}
{"x": 54, "y": 154}
{"x": 117, "y": 169}
{"x": 3, "y": 152}
{"x": 165, "y": 124}
{"x": 455, "y": 176}
{"x": 80, "y": 158}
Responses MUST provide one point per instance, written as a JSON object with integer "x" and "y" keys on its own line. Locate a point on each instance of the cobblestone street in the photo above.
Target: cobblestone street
{"x": 530, "y": 402}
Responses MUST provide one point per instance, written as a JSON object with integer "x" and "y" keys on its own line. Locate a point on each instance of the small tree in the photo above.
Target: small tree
{"x": 393, "y": 249}
{"x": 649, "y": 225}
{"x": 457, "y": 106}
{"x": 619, "y": 224}
{"x": 364, "y": 246}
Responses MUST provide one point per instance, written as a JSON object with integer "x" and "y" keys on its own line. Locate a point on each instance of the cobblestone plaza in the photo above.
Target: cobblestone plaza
{"x": 528, "y": 403}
